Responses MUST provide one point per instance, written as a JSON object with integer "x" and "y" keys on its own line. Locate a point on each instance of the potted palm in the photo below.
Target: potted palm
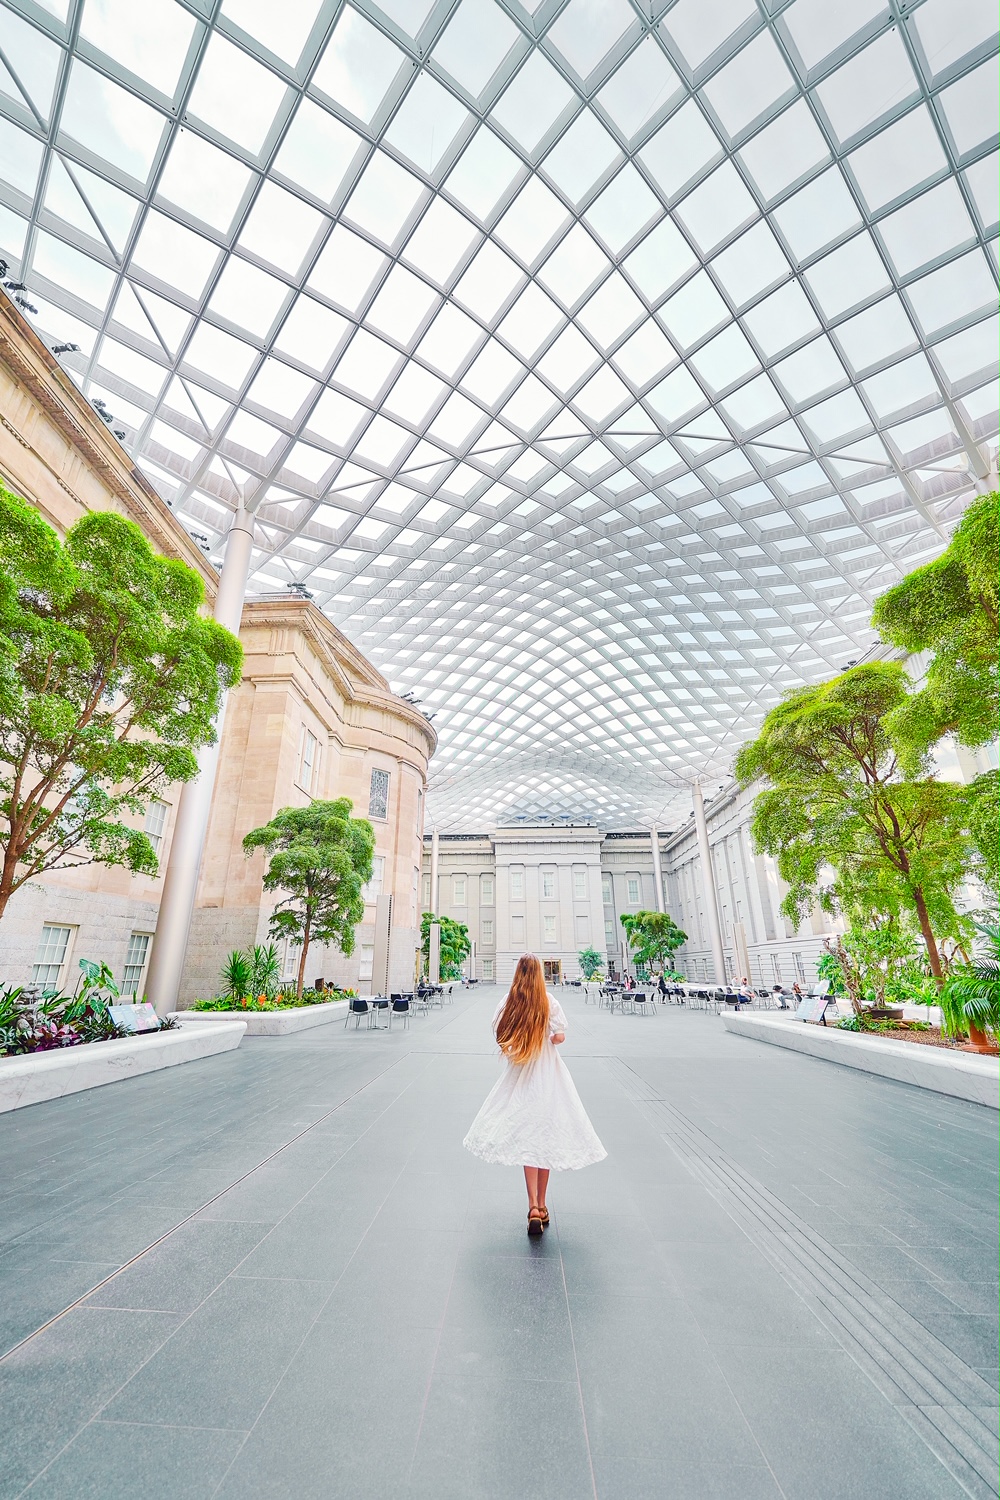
{"x": 970, "y": 997}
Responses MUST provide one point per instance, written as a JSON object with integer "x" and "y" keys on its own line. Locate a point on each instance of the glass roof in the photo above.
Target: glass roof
{"x": 591, "y": 365}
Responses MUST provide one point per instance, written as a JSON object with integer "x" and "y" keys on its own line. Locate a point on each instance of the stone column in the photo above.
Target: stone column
{"x": 654, "y": 834}
{"x": 180, "y": 881}
{"x": 435, "y": 852}
{"x": 708, "y": 884}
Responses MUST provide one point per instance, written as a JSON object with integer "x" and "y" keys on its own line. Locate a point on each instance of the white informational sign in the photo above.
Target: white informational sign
{"x": 135, "y": 1017}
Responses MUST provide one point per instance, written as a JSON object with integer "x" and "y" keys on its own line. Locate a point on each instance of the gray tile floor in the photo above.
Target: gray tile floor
{"x": 780, "y": 1283}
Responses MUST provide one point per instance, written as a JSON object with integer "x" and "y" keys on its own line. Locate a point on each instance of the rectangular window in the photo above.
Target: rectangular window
{"x": 487, "y": 890}
{"x": 776, "y": 967}
{"x": 609, "y": 930}
{"x": 373, "y": 889}
{"x": 548, "y": 883}
{"x": 517, "y": 931}
{"x": 367, "y": 962}
{"x": 579, "y": 885}
{"x": 427, "y": 891}
{"x": 308, "y": 760}
{"x": 549, "y": 929}
{"x": 607, "y": 891}
{"x": 800, "y": 968}
{"x": 156, "y": 821}
{"x": 458, "y": 890}
{"x": 51, "y": 956}
{"x": 135, "y": 962}
{"x": 582, "y": 928}
{"x": 487, "y": 929}
{"x": 378, "y": 796}
{"x": 487, "y": 968}
{"x": 517, "y": 885}
{"x": 632, "y": 890}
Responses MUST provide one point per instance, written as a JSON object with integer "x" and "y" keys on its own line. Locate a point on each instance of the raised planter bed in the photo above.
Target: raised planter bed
{"x": 270, "y": 1022}
{"x": 960, "y": 1074}
{"x": 36, "y": 1076}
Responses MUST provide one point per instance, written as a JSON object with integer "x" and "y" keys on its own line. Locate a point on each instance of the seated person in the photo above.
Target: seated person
{"x": 744, "y": 992}
{"x": 779, "y": 995}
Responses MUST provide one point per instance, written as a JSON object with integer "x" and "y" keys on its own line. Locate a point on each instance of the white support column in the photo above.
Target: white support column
{"x": 435, "y": 852}
{"x": 708, "y": 884}
{"x": 654, "y": 834}
{"x": 180, "y": 881}
{"x": 434, "y": 954}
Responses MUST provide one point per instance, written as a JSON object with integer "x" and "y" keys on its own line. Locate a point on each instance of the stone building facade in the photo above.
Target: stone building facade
{"x": 310, "y": 718}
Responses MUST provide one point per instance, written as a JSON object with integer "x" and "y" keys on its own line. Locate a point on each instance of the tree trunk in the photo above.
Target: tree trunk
{"x": 302, "y": 961}
{"x": 933, "y": 957}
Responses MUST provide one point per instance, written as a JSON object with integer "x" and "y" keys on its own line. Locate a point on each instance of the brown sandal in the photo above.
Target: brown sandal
{"x": 535, "y": 1221}
{"x": 545, "y": 1217}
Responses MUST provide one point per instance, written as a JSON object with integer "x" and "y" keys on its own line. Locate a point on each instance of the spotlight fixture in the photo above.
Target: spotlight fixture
{"x": 65, "y": 348}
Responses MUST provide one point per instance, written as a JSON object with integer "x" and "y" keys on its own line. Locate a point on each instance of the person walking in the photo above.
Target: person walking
{"x": 533, "y": 1117}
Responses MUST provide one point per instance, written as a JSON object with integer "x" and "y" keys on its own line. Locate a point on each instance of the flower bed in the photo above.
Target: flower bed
{"x": 228, "y": 1004}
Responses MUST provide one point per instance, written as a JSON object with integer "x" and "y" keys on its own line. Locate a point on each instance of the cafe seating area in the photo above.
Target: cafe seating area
{"x": 382, "y": 1012}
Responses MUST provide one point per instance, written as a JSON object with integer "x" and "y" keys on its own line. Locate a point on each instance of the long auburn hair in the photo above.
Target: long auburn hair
{"x": 524, "y": 1021}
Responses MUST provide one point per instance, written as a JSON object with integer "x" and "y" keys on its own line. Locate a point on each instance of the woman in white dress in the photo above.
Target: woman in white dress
{"x": 533, "y": 1117}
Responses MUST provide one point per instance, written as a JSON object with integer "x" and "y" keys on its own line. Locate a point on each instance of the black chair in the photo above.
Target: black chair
{"x": 357, "y": 1008}
{"x": 639, "y": 997}
{"x": 401, "y": 1005}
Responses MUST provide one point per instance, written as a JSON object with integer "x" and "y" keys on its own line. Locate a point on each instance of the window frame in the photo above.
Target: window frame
{"x": 374, "y": 801}
{"x": 140, "y": 968}
{"x": 50, "y": 963}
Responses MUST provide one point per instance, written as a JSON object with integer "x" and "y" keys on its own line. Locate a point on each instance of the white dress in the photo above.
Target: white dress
{"x": 533, "y": 1115}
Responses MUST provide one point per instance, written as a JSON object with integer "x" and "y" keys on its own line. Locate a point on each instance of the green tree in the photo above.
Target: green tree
{"x": 591, "y": 962}
{"x": 456, "y": 944}
{"x": 110, "y": 680}
{"x": 320, "y": 857}
{"x": 653, "y": 937}
{"x": 840, "y": 797}
{"x": 949, "y": 608}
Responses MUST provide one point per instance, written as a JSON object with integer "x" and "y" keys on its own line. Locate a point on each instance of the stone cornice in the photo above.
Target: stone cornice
{"x": 356, "y": 678}
{"x": 35, "y": 368}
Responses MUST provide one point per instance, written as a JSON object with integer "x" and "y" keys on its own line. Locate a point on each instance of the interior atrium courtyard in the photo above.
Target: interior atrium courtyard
{"x": 498, "y": 581}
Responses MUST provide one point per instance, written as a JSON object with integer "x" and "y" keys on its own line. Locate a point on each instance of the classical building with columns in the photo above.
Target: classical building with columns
{"x": 310, "y": 718}
{"x": 554, "y": 889}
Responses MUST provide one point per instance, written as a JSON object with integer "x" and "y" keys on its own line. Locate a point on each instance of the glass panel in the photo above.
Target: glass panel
{"x": 717, "y": 208}
{"x": 110, "y": 122}
{"x": 533, "y": 102}
{"x": 475, "y": 43}
{"x": 752, "y": 83}
{"x": 900, "y": 158}
{"x": 699, "y": 29}
{"x": 643, "y": 85}
{"x": 428, "y": 121}
{"x": 877, "y": 80}
{"x": 151, "y": 43}
{"x": 581, "y": 156}
{"x": 818, "y": 28}
{"x": 235, "y": 95}
{"x": 927, "y": 228}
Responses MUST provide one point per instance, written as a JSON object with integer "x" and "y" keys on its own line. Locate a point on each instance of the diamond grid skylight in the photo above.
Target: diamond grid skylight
{"x": 593, "y": 366}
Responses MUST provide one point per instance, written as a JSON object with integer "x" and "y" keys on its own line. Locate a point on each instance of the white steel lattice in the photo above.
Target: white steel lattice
{"x": 592, "y": 365}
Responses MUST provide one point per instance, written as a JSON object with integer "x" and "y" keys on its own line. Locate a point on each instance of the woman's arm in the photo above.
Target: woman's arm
{"x": 557, "y": 1037}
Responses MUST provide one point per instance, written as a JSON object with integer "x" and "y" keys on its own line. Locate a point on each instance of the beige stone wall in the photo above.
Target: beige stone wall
{"x": 300, "y": 675}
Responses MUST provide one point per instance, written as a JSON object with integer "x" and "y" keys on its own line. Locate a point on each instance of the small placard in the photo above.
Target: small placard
{"x": 135, "y": 1017}
{"x": 812, "y": 1008}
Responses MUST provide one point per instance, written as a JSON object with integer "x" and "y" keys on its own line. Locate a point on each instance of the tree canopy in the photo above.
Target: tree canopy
{"x": 653, "y": 937}
{"x": 456, "y": 944}
{"x": 840, "y": 796}
{"x": 591, "y": 962}
{"x": 949, "y": 608}
{"x": 110, "y": 681}
{"x": 321, "y": 858}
